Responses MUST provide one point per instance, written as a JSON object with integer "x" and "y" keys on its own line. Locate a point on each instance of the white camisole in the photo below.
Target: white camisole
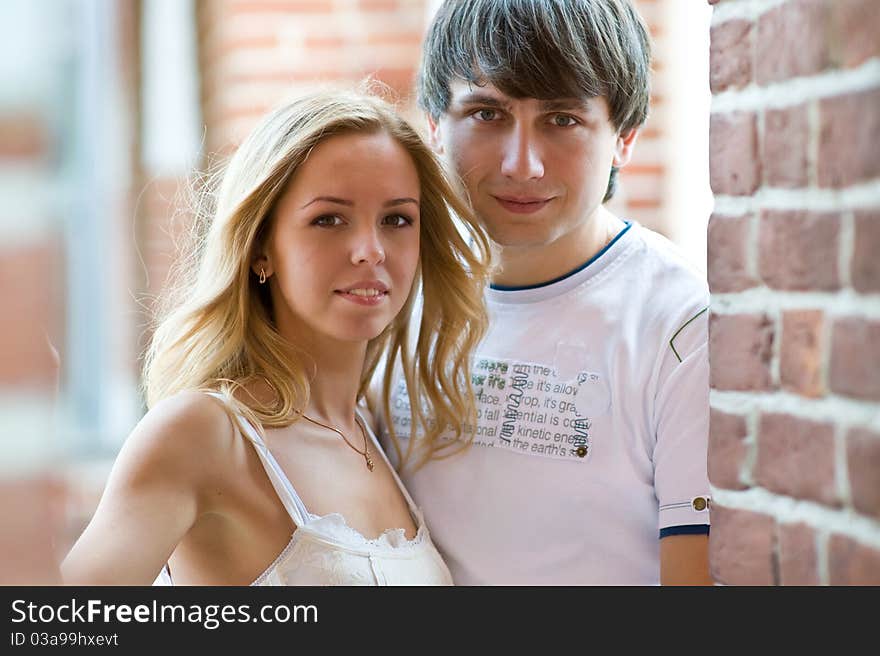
{"x": 325, "y": 550}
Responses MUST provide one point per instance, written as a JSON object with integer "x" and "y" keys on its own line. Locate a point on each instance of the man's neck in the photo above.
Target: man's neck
{"x": 523, "y": 266}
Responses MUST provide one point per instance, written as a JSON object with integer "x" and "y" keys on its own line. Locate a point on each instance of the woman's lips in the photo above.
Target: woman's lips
{"x": 522, "y": 205}
{"x": 367, "y": 295}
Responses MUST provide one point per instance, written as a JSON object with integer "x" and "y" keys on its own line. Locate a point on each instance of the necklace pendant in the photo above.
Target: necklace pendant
{"x": 369, "y": 463}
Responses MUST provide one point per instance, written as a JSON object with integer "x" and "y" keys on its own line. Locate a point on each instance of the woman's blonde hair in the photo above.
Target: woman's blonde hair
{"x": 218, "y": 331}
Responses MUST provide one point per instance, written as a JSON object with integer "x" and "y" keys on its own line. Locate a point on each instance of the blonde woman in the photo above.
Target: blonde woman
{"x": 254, "y": 464}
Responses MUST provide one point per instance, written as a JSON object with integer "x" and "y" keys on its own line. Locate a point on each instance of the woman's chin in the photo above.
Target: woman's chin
{"x": 363, "y": 332}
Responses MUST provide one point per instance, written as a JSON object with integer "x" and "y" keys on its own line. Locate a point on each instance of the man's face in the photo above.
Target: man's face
{"x": 534, "y": 170}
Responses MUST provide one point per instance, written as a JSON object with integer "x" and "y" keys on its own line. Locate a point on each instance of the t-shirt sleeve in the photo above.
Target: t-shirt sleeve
{"x": 681, "y": 479}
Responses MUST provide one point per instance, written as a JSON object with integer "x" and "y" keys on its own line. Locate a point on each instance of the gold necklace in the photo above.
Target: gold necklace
{"x": 365, "y": 453}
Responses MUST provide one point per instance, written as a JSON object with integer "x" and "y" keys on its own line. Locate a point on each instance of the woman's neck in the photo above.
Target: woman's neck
{"x": 334, "y": 369}
{"x": 334, "y": 381}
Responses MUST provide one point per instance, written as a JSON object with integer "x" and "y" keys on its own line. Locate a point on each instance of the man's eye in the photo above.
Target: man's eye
{"x": 485, "y": 114}
{"x": 397, "y": 220}
{"x": 327, "y": 221}
{"x": 564, "y": 120}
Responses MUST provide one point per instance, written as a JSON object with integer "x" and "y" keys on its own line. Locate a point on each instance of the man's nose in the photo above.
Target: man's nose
{"x": 522, "y": 159}
{"x": 367, "y": 247}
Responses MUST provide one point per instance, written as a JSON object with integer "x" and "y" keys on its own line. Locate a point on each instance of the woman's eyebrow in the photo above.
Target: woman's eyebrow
{"x": 329, "y": 199}
{"x": 401, "y": 201}
{"x": 349, "y": 203}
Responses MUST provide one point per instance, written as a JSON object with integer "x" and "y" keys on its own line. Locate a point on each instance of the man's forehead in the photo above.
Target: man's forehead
{"x": 464, "y": 92}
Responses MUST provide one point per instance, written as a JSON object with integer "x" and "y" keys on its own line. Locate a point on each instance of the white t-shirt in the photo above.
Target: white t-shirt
{"x": 593, "y": 402}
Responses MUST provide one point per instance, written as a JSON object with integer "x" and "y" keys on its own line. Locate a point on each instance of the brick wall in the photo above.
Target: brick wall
{"x": 793, "y": 244}
{"x": 32, "y": 268}
{"x": 31, "y": 262}
{"x": 253, "y": 53}
{"x": 643, "y": 181}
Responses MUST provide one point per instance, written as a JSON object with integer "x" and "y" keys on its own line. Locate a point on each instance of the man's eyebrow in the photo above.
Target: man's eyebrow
{"x": 562, "y": 104}
{"x": 477, "y": 98}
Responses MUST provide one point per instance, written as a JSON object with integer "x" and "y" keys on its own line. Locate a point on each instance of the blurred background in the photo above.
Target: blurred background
{"x": 106, "y": 109}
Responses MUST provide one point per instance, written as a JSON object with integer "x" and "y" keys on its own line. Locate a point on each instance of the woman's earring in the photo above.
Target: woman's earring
{"x": 262, "y": 275}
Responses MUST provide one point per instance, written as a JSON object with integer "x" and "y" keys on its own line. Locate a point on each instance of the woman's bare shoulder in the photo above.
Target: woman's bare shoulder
{"x": 188, "y": 428}
{"x": 155, "y": 492}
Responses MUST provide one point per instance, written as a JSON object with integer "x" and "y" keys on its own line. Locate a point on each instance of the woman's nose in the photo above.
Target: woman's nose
{"x": 368, "y": 248}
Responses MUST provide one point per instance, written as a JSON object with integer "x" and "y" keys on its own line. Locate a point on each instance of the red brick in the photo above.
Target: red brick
{"x": 288, "y": 7}
{"x": 741, "y": 547}
{"x": 166, "y": 205}
{"x": 798, "y": 560}
{"x": 644, "y": 169}
{"x": 412, "y": 40}
{"x": 799, "y": 250}
{"x": 30, "y": 286}
{"x": 857, "y": 24}
{"x": 377, "y": 5}
{"x": 865, "y": 261}
{"x": 325, "y": 41}
{"x": 730, "y": 55}
{"x": 727, "y": 449}
{"x": 734, "y": 164}
{"x": 317, "y": 72}
{"x": 728, "y": 243}
{"x": 863, "y": 464}
{"x": 231, "y": 43}
{"x": 740, "y": 349}
{"x": 796, "y": 458}
{"x": 401, "y": 80}
{"x": 33, "y": 512}
{"x": 800, "y": 365}
{"x": 23, "y": 137}
{"x": 786, "y": 141}
{"x": 791, "y": 41}
{"x": 848, "y": 138}
{"x": 850, "y": 562}
{"x": 644, "y": 203}
{"x": 855, "y": 358}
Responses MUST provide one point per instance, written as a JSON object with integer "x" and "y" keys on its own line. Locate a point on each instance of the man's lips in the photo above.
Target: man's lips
{"x": 522, "y": 204}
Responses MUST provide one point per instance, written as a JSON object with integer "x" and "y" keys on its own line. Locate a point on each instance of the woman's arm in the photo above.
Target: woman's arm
{"x": 151, "y": 499}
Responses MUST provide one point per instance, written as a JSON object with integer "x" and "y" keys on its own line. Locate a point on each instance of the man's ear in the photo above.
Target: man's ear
{"x": 435, "y": 139}
{"x": 623, "y": 147}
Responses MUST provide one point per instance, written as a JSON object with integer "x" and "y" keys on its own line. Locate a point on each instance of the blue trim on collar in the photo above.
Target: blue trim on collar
{"x": 691, "y": 529}
{"x": 502, "y": 288}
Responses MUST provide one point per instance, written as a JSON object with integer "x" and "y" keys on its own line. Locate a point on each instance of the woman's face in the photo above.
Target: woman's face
{"x": 343, "y": 248}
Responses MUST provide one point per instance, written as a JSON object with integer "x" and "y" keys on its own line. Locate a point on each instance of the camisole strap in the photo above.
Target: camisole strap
{"x": 291, "y": 500}
{"x": 412, "y": 506}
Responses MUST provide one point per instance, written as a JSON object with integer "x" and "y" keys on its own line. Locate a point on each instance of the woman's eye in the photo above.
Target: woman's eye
{"x": 564, "y": 120}
{"x": 397, "y": 220}
{"x": 327, "y": 221}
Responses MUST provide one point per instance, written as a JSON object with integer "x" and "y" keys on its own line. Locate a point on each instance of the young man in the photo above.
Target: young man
{"x": 589, "y": 458}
